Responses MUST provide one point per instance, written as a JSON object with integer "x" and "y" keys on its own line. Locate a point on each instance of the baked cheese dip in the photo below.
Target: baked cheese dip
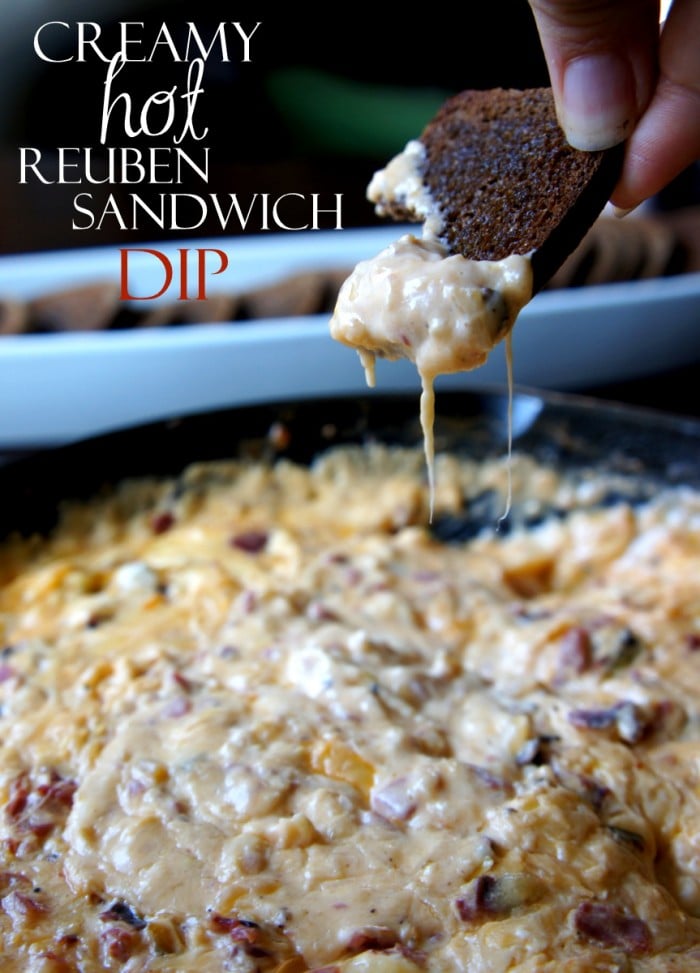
{"x": 263, "y": 718}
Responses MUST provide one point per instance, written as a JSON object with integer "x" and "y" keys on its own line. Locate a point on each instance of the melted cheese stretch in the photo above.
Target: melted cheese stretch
{"x": 442, "y": 312}
{"x": 445, "y": 313}
{"x": 415, "y": 300}
{"x": 260, "y": 719}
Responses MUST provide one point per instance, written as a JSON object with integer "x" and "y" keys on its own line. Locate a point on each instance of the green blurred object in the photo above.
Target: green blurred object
{"x": 333, "y": 114}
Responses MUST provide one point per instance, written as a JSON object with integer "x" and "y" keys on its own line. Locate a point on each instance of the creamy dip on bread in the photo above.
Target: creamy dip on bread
{"x": 417, "y": 300}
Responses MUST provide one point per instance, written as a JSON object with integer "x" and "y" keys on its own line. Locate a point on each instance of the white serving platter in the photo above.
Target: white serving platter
{"x": 55, "y": 388}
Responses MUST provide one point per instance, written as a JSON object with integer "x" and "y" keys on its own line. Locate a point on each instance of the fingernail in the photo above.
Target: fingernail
{"x": 598, "y": 107}
{"x": 620, "y": 212}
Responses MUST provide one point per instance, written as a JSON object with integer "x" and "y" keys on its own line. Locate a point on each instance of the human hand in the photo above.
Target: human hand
{"x": 616, "y": 77}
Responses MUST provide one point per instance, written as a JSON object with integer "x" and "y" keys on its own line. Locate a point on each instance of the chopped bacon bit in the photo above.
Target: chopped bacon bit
{"x": 491, "y": 780}
{"x": 19, "y": 795}
{"x": 414, "y": 955}
{"x": 241, "y": 930}
{"x": 595, "y": 792}
{"x": 491, "y": 895}
{"x": 248, "y": 601}
{"x": 394, "y": 801}
{"x": 53, "y": 962}
{"x": 625, "y": 717}
{"x": 17, "y": 904}
{"x": 575, "y": 651}
{"x": 183, "y": 682}
{"x": 223, "y": 923}
{"x": 371, "y": 937}
{"x": 318, "y": 612}
{"x": 118, "y": 943}
{"x": 10, "y": 879}
{"x": 177, "y": 707}
{"x": 36, "y": 808}
{"x": 57, "y": 963}
{"x": 250, "y": 541}
{"x": 245, "y": 933}
{"x": 162, "y": 522}
{"x": 666, "y": 717}
{"x": 6, "y": 672}
{"x": 593, "y": 719}
{"x": 586, "y": 787}
{"x": 121, "y": 912}
{"x": 39, "y": 828}
{"x": 59, "y": 792}
{"x": 611, "y": 927}
{"x": 481, "y": 899}
{"x": 692, "y": 640}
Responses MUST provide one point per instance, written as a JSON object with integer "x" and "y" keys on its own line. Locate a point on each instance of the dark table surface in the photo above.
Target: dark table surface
{"x": 676, "y": 391}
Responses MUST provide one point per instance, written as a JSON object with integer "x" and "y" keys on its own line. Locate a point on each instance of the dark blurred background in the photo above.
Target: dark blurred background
{"x": 331, "y": 94}
{"x": 327, "y": 99}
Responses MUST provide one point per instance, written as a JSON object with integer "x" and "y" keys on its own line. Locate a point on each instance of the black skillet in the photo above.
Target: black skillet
{"x": 646, "y": 448}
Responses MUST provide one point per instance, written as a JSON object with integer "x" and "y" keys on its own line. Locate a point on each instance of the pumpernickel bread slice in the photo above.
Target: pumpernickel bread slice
{"x": 505, "y": 180}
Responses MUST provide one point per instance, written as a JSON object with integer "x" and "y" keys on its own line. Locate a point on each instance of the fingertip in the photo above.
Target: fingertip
{"x": 597, "y": 103}
{"x": 665, "y": 142}
{"x": 620, "y": 212}
{"x": 626, "y": 199}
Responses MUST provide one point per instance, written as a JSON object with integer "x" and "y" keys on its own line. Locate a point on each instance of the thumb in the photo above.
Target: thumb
{"x": 602, "y": 60}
